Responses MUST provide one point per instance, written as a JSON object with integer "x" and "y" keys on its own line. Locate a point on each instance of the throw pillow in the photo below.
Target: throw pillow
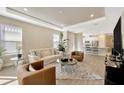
{"x": 46, "y": 53}
{"x": 31, "y": 69}
{"x": 32, "y": 52}
{"x": 38, "y": 52}
{"x": 35, "y": 53}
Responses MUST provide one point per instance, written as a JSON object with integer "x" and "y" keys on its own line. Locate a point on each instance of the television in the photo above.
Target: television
{"x": 117, "y": 48}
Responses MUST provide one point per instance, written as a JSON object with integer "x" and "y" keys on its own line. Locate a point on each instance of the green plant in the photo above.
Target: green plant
{"x": 62, "y": 42}
{"x": 2, "y": 50}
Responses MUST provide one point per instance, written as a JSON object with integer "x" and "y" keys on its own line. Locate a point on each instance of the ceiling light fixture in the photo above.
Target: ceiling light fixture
{"x": 25, "y": 9}
{"x": 92, "y": 15}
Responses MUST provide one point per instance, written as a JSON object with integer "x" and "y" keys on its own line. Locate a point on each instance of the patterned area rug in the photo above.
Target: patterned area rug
{"x": 79, "y": 71}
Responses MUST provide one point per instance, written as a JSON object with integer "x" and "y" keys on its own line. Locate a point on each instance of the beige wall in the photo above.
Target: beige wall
{"x": 32, "y": 36}
{"x": 75, "y": 41}
{"x": 109, "y": 41}
{"x": 79, "y": 41}
{"x": 102, "y": 40}
{"x": 71, "y": 43}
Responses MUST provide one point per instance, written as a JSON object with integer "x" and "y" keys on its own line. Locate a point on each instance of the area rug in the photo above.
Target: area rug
{"x": 80, "y": 71}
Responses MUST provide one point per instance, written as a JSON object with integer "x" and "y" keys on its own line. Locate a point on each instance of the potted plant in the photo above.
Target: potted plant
{"x": 62, "y": 43}
{"x": 1, "y": 61}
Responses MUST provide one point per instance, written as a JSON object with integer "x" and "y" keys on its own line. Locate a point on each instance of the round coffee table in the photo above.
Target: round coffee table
{"x": 68, "y": 67}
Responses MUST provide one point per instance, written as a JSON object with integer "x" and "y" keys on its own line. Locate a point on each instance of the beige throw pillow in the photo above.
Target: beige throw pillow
{"x": 46, "y": 53}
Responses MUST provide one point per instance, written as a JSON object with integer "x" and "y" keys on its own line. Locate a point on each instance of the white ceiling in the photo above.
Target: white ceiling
{"x": 72, "y": 18}
{"x": 100, "y": 25}
{"x": 62, "y": 16}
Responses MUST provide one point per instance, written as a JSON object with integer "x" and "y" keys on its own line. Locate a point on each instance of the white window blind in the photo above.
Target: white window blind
{"x": 12, "y": 36}
{"x": 10, "y": 46}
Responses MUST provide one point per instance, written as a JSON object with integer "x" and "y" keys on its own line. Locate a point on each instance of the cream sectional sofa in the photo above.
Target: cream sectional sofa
{"x": 49, "y": 55}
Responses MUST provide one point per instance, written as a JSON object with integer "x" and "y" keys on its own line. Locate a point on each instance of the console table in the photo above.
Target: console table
{"x": 68, "y": 67}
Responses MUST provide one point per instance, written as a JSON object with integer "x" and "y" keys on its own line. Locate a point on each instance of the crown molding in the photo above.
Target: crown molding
{"x": 3, "y": 12}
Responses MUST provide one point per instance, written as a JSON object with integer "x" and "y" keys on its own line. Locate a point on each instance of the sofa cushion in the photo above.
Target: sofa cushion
{"x": 36, "y": 53}
{"x": 46, "y": 53}
{"x": 39, "y": 54}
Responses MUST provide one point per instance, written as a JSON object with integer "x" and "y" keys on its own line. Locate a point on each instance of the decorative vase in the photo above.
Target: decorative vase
{"x": 61, "y": 53}
{"x": 1, "y": 64}
{"x": 19, "y": 56}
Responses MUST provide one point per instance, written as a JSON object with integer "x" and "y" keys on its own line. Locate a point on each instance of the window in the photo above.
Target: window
{"x": 12, "y": 37}
{"x": 10, "y": 46}
{"x": 55, "y": 40}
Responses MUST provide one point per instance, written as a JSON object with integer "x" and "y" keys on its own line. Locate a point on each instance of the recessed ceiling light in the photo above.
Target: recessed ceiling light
{"x": 25, "y": 9}
{"x": 92, "y": 15}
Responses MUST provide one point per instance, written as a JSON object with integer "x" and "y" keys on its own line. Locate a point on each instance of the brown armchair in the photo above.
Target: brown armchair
{"x": 42, "y": 75}
{"x": 78, "y": 55}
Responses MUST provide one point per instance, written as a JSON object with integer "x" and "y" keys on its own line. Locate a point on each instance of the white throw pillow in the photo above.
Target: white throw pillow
{"x": 31, "y": 69}
{"x": 32, "y": 52}
{"x": 39, "y": 54}
{"x": 36, "y": 53}
{"x": 46, "y": 53}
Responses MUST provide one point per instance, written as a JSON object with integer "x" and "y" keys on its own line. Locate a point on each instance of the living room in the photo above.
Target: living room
{"x": 30, "y": 34}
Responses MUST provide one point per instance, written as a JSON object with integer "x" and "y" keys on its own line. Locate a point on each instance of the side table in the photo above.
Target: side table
{"x": 17, "y": 60}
